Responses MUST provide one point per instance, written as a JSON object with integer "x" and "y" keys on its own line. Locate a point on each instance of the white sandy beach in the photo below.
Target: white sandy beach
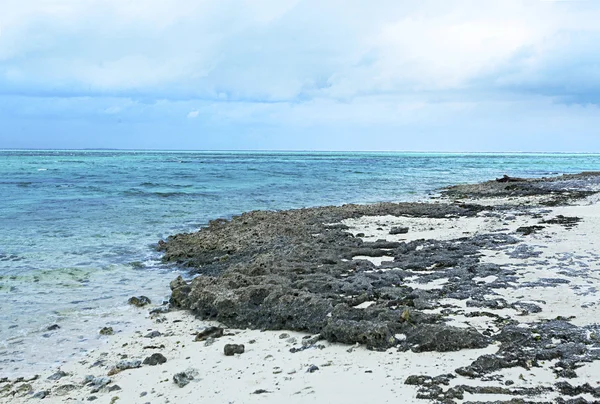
{"x": 267, "y": 372}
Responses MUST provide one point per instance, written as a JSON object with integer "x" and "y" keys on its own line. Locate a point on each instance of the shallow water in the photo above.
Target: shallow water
{"x": 77, "y": 228}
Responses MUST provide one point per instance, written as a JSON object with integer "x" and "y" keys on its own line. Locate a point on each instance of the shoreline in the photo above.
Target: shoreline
{"x": 522, "y": 282}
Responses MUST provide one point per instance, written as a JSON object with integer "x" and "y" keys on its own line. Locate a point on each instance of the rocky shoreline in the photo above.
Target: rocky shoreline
{"x": 505, "y": 274}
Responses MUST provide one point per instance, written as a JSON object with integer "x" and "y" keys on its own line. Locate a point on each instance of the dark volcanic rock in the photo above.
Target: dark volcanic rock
{"x": 210, "y": 332}
{"x": 155, "y": 359}
{"x": 139, "y": 301}
{"x": 294, "y": 270}
{"x": 399, "y": 230}
{"x": 106, "y": 331}
{"x": 184, "y": 378}
{"x": 232, "y": 349}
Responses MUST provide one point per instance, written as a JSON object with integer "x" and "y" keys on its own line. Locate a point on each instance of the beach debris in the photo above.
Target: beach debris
{"x": 106, "y": 331}
{"x": 210, "y": 332}
{"x": 232, "y": 349}
{"x": 139, "y": 301}
{"x": 312, "y": 369}
{"x": 183, "y": 378}
{"x": 260, "y": 391}
{"x": 58, "y": 375}
{"x": 399, "y": 230}
{"x": 155, "y": 359}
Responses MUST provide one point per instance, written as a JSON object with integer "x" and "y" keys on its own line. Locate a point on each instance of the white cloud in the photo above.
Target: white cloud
{"x": 269, "y": 49}
{"x": 403, "y": 64}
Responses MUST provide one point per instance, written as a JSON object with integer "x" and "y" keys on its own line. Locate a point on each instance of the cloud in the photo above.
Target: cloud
{"x": 279, "y": 65}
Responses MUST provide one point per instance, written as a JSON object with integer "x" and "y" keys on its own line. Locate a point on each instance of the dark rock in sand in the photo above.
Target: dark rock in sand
{"x": 139, "y": 301}
{"x": 114, "y": 387}
{"x": 53, "y": 327}
{"x": 64, "y": 389}
{"x": 312, "y": 369}
{"x": 232, "y": 349}
{"x": 399, "y": 230}
{"x": 155, "y": 359}
{"x": 527, "y": 230}
{"x": 128, "y": 364}
{"x": 210, "y": 332}
{"x": 58, "y": 375}
{"x": 184, "y": 378}
{"x": 106, "y": 331}
{"x": 41, "y": 394}
{"x": 153, "y": 334}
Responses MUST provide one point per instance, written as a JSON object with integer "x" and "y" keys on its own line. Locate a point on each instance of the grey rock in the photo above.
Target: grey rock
{"x": 312, "y": 369}
{"x": 106, "y": 331}
{"x": 153, "y": 334}
{"x": 128, "y": 364}
{"x": 155, "y": 359}
{"x": 58, "y": 375}
{"x": 183, "y": 378}
{"x": 399, "y": 230}
{"x": 139, "y": 301}
{"x": 210, "y": 332}
{"x": 232, "y": 349}
{"x": 41, "y": 394}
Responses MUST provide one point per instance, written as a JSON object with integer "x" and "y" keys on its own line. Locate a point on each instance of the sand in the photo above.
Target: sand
{"x": 268, "y": 372}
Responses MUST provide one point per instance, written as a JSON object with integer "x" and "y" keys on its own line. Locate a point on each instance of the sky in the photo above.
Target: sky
{"x": 402, "y": 75}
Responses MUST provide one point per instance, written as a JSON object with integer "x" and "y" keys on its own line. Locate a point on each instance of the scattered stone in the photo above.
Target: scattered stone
{"x": 232, "y": 349}
{"x": 210, "y": 332}
{"x": 284, "y": 335}
{"x": 64, "y": 389}
{"x": 260, "y": 391}
{"x": 106, "y": 331}
{"x": 114, "y": 387}
{"x": 58, "y": 375}
{"x": 399, "y": 230}
{"x": 153, "y": 334}
{"x": 139, "y": 301}
{"x": 53, "y": 327}
{"x": 41, "y": 394}
{"x": 312, "y": 369}
{"x": 155, "y": 359}
{"x": 160, "y": 310}
{"x": 128, "y": 364}
{"x": 92, "y": 398}
{"x": 183, "y": 378}
{"x": 527, "y": 230}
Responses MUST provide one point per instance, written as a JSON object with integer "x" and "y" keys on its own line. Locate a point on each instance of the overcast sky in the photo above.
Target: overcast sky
{"x": 444, "y": 75}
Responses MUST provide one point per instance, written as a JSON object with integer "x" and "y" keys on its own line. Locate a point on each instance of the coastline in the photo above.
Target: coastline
{"x": 542, "y": 284}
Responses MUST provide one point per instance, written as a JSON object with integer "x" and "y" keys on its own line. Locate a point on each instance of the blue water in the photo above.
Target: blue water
{"x": 78, "y": 227}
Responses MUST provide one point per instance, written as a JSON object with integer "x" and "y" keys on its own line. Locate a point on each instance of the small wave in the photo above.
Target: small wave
{"x": 42, "y": 169}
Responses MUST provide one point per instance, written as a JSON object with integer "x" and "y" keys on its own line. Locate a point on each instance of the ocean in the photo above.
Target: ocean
{"x": 78, "y": 228}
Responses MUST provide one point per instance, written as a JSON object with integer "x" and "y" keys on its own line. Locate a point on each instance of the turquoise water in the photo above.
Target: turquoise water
{"x": 78, "y": 227}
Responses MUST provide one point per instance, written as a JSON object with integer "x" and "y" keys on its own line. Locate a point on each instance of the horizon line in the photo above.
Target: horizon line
{"x": 297, "y": 151}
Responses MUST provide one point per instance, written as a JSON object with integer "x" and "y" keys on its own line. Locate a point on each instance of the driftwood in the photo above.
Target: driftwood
{"x": 506, "y": 178}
